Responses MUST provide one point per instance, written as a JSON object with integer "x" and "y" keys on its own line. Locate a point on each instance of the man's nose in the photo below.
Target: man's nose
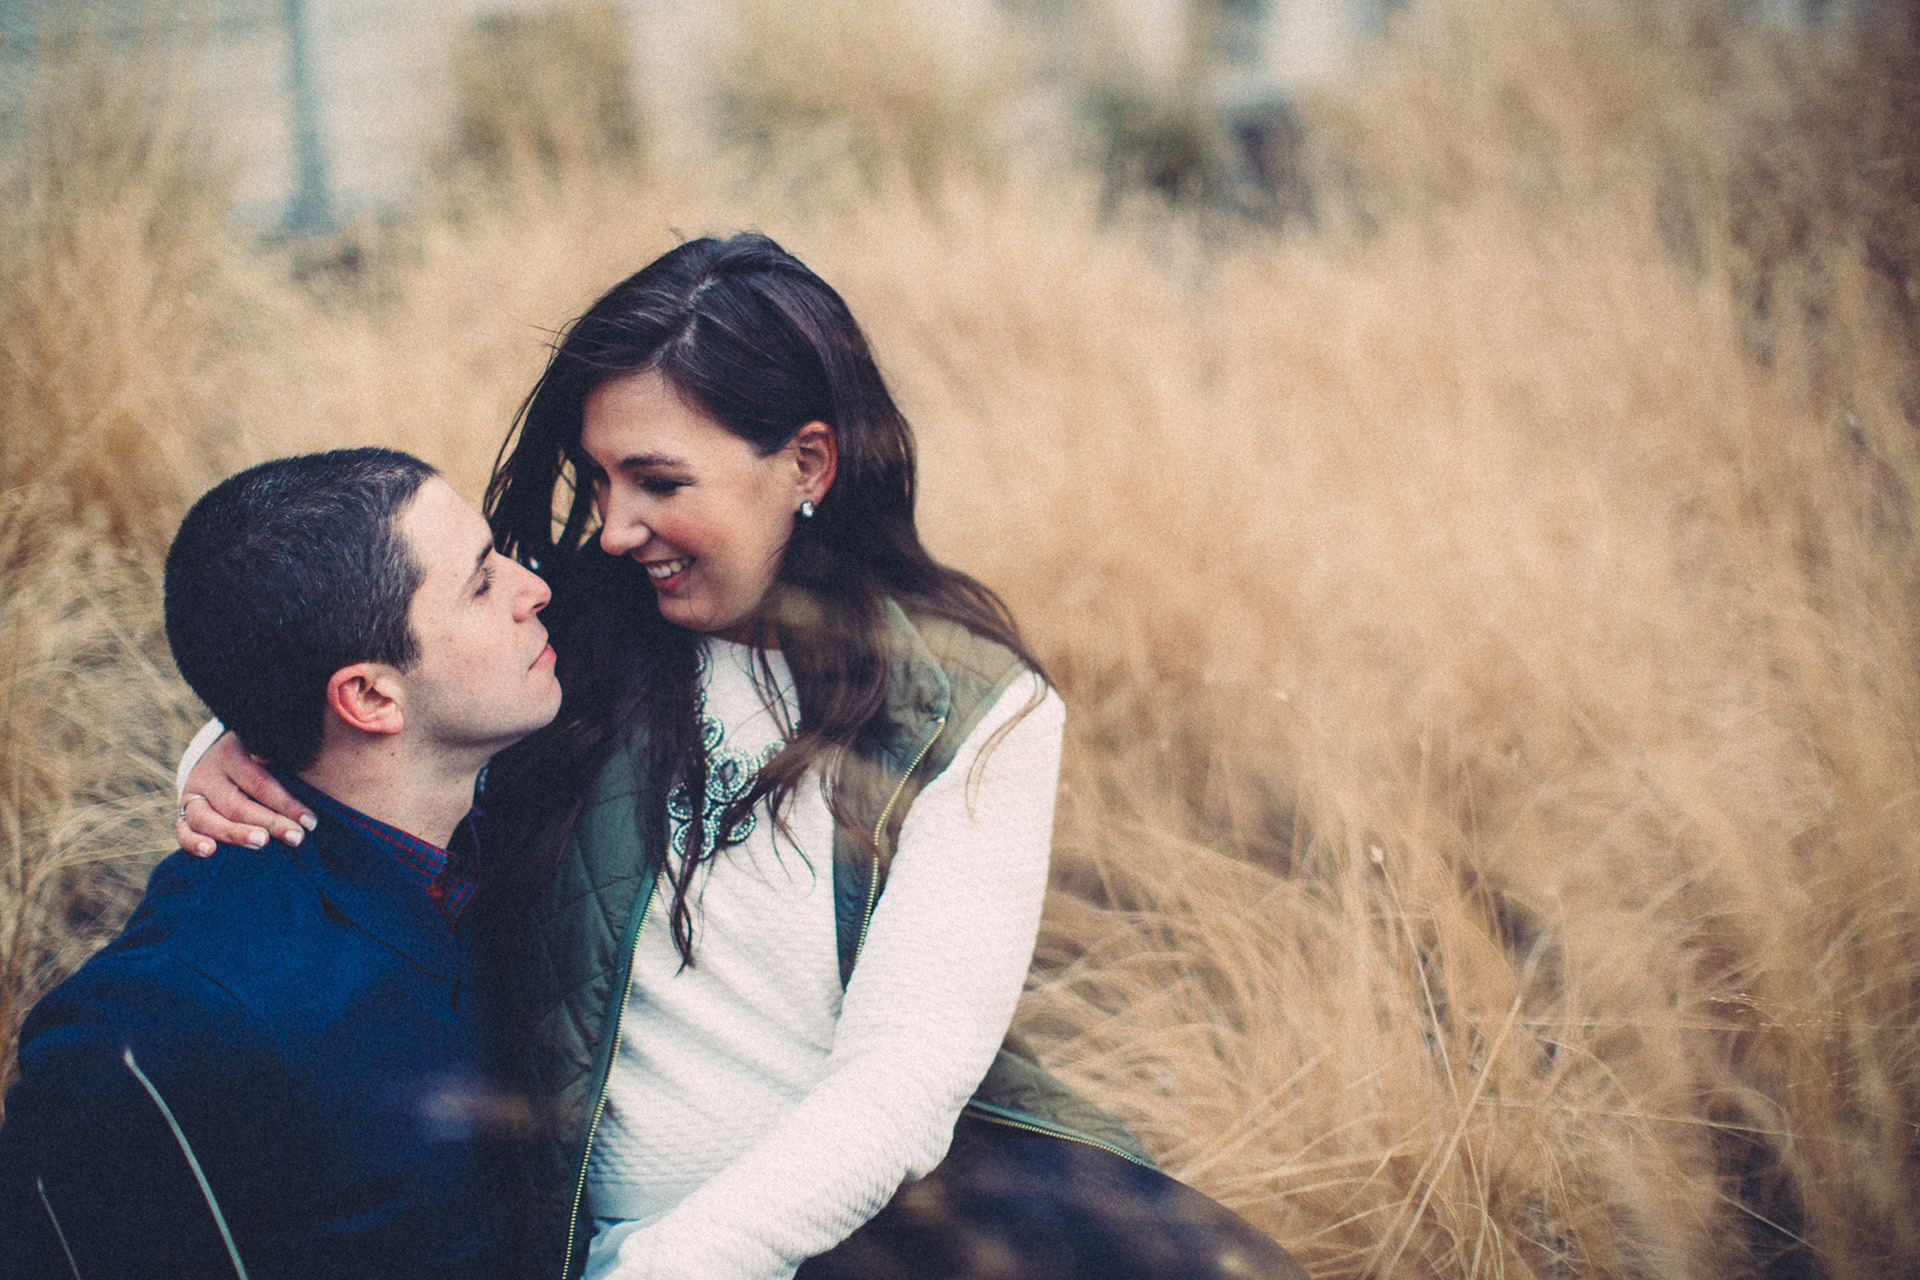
{"x": 534, "y": 593}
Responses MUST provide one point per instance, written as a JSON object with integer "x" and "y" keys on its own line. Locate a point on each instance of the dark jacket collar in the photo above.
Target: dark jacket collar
{"x": 357, "y": 877}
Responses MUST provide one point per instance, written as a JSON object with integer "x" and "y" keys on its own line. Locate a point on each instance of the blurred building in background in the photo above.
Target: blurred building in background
{"x": 327, "y": 104}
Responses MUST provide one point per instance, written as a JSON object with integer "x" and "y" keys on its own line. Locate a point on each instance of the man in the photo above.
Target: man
{"x": 302, "y": 1021}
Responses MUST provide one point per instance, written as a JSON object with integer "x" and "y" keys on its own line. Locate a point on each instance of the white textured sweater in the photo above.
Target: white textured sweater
{"x": 754, "y": 1117}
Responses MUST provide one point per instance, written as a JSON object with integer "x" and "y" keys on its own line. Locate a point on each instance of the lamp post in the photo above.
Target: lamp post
{"x": 311, "y": 211}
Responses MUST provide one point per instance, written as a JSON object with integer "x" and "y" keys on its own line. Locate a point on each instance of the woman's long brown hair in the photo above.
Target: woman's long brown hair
{"x": 763, "y": 346}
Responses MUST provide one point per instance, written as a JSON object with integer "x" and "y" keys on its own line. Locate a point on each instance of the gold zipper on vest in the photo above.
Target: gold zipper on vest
{"x": 873, "y": 873}
{"x": 980, "y": 1113}
{"x": 600, "y": 1103}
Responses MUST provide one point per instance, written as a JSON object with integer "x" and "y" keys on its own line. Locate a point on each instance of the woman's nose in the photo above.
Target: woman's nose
{"x": 617, "y": 541}
{"x": 621, "y": 531}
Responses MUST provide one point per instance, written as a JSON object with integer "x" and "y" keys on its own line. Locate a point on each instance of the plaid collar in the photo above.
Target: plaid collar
{"x": 449, "y": 876}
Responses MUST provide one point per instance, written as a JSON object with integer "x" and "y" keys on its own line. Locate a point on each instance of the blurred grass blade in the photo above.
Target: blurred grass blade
{"x": 186, "y": 1149}
{"x": 40, "y": 1185}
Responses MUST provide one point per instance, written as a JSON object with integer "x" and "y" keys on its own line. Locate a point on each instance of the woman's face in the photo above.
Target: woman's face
{"x": 701, "y": 510}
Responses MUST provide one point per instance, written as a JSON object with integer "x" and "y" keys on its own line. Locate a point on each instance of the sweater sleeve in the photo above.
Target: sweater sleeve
{"x": 202, "y": 742}
{"x": 945, "y": 957}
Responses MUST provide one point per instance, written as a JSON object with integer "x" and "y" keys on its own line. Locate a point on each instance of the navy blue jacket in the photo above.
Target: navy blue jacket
{"x": 314, "y": 1025}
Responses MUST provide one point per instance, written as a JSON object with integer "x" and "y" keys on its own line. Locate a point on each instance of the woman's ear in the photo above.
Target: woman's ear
{"x": 365, "y": 696}
{"x": 816, "y": 452}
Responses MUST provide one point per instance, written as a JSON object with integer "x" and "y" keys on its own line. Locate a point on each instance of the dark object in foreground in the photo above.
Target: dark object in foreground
{"x": 1007, "y": 1204}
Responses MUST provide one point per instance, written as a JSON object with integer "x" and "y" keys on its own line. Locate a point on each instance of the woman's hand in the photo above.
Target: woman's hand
{"x": 232, "y": 799}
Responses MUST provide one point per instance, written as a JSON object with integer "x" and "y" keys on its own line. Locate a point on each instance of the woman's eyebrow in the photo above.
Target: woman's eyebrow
{"x": 650, "y": 460}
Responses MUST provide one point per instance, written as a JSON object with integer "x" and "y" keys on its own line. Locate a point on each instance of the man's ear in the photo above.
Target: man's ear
{"x": 366, "y": 696}
{"x": 816, "y": 452}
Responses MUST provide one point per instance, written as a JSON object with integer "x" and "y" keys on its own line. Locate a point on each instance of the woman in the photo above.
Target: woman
{"x": 777, "y": 704}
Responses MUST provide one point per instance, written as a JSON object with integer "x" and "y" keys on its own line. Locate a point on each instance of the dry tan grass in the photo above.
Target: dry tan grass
{"x": 1488, "y": 619}
{"x": 122, "y": 292}
{"x": 90, "y": 719}
{"x": 121, "y": 295}
{"x": 542, "y": 93}
{"x": 881, "y": 86}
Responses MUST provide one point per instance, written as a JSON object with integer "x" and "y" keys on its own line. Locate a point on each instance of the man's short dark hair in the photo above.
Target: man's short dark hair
{"x": 282, "y": 575}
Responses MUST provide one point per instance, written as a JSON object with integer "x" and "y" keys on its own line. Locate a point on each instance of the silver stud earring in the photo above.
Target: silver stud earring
{"x": 806, "y": 509}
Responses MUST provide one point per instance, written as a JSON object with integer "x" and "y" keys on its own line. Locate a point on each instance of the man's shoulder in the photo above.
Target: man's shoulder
{"x": 201, "y": 908}
{"x": 187, "y": 947}
{"x": 238, "y": 935}
{"x": 127, "y": 1005}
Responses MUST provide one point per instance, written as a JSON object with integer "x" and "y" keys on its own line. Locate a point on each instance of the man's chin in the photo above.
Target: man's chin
{"x": 525, "y": 729}
{"x": 541, "y": 721}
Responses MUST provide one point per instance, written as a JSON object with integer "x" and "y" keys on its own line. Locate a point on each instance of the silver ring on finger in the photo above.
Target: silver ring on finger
{"x": 189, "y": 800}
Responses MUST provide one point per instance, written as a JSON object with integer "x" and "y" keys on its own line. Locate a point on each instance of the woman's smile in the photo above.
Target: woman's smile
{"x": 662, "y": 570}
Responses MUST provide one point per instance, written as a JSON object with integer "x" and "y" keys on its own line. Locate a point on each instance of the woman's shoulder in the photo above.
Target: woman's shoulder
{"x": 959, "y": 650}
